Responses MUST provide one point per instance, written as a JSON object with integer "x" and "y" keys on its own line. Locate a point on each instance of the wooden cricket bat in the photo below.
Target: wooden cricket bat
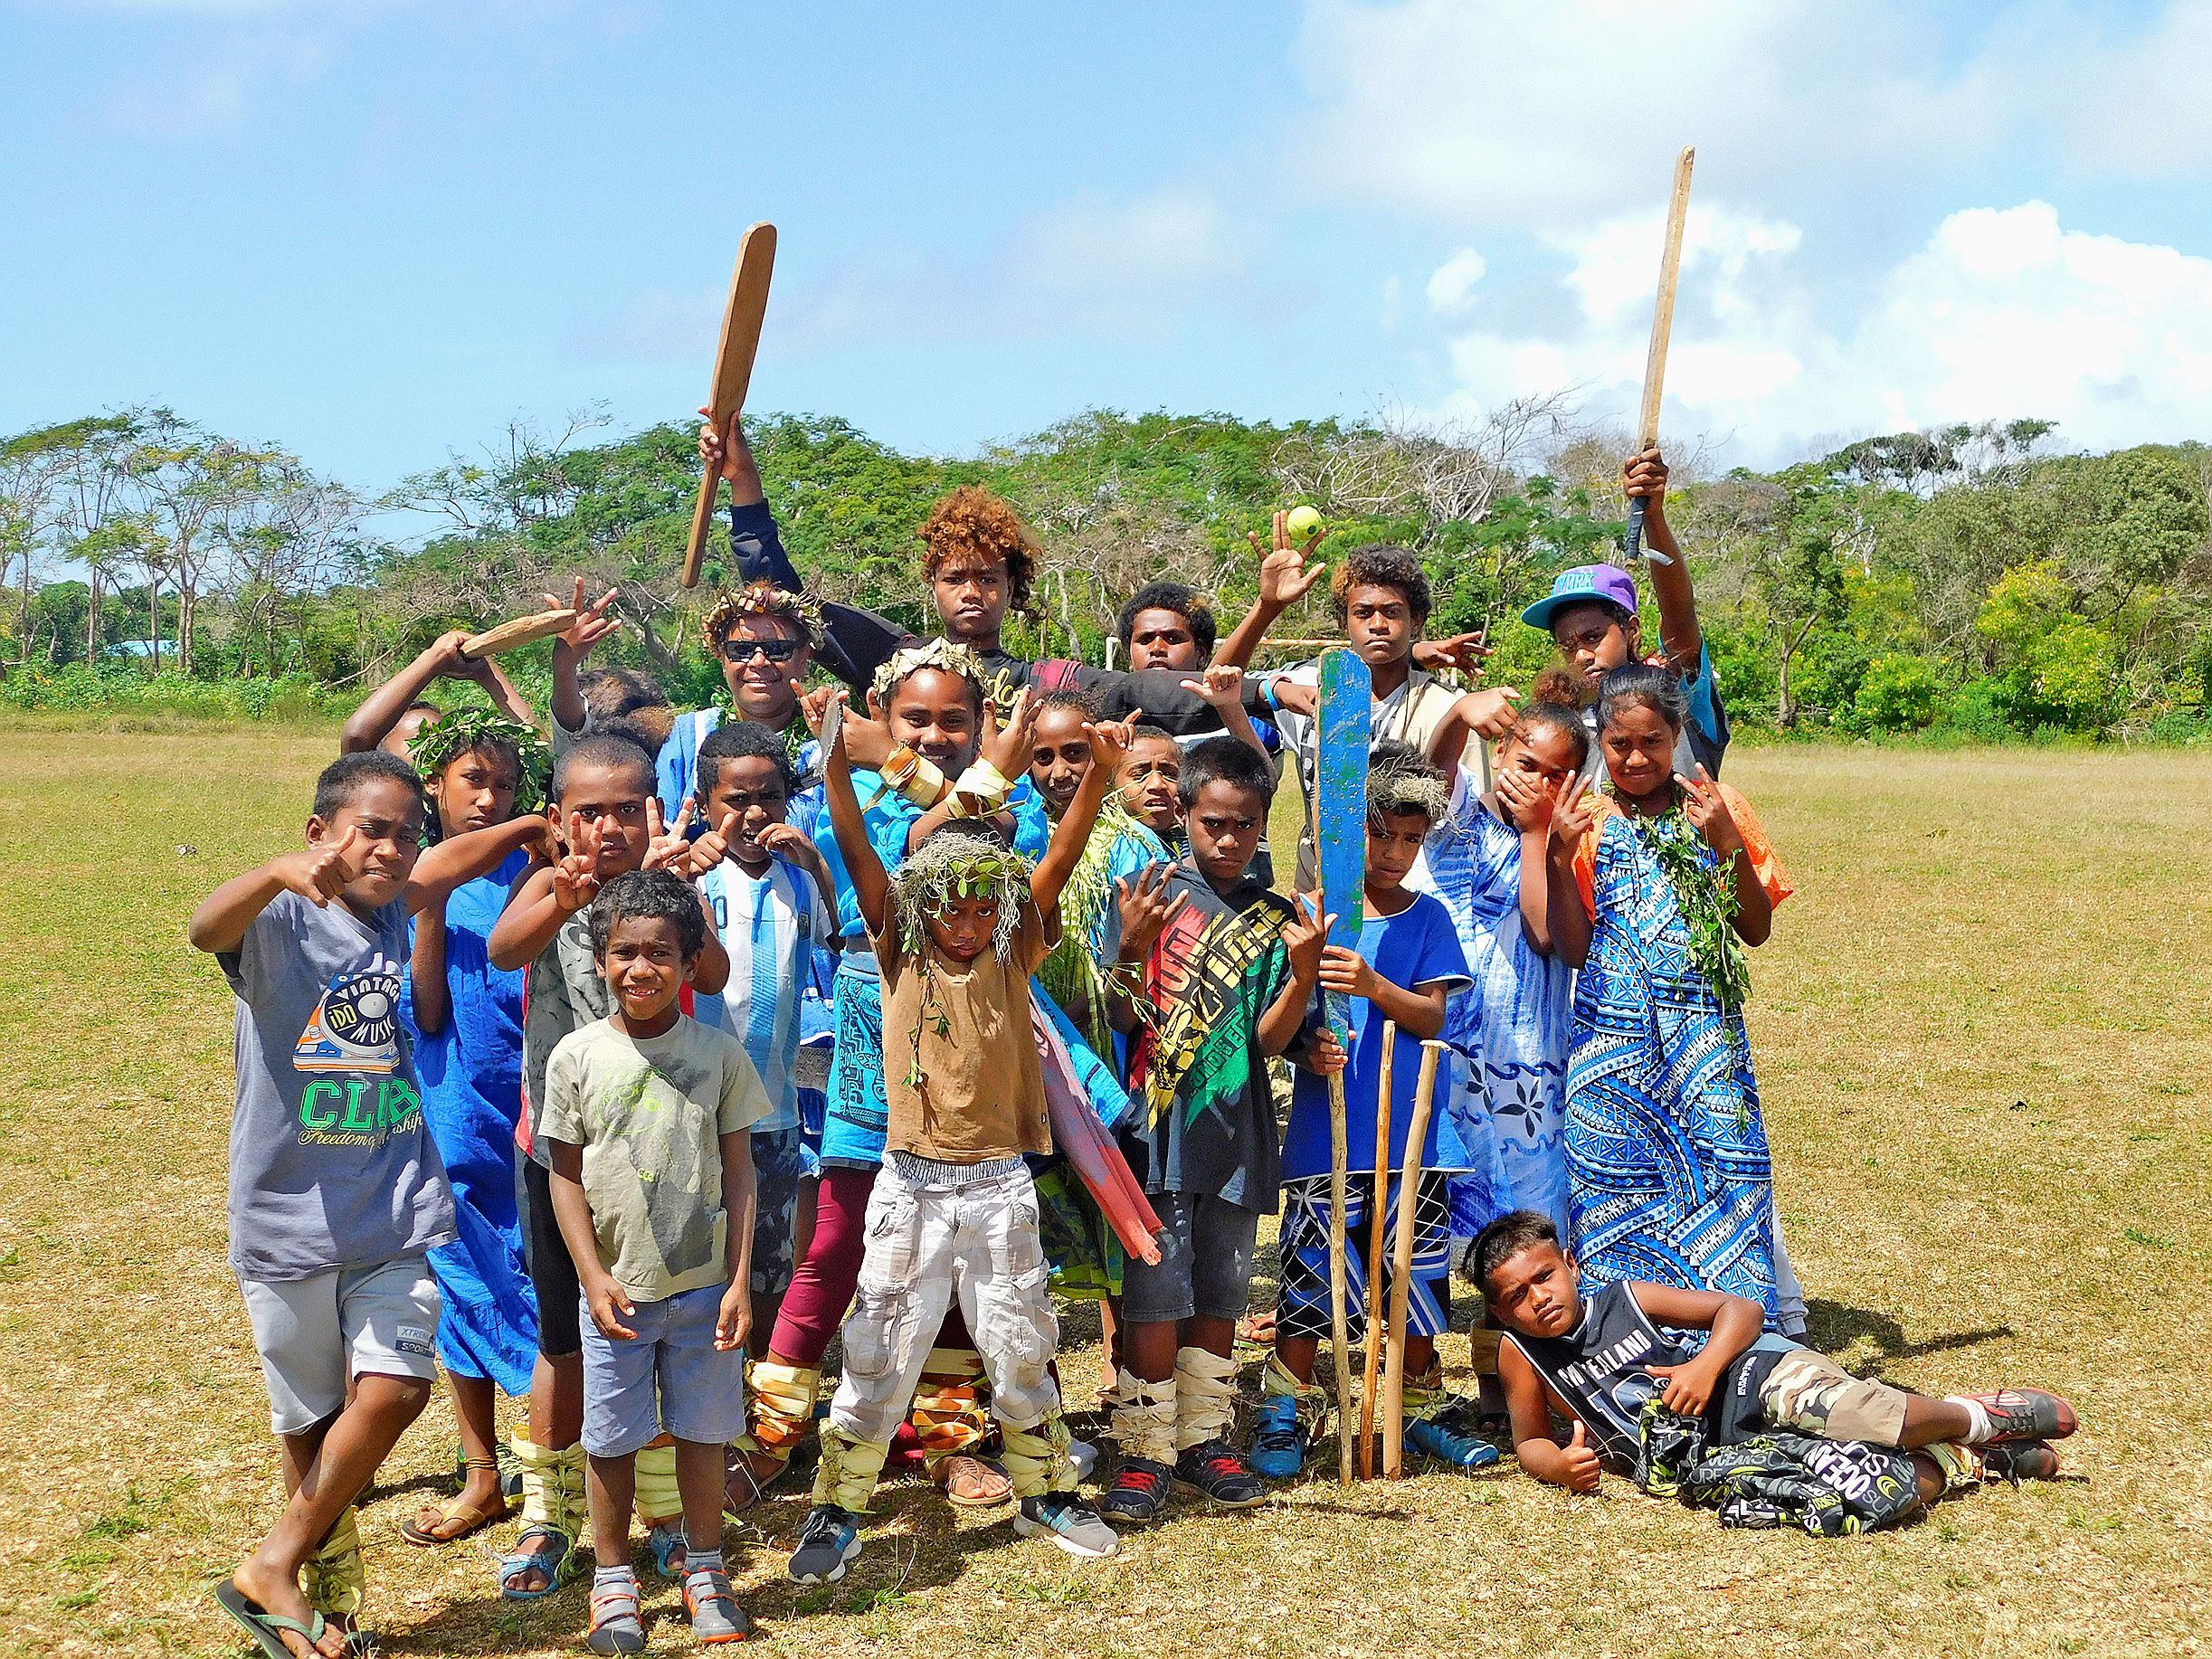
{"x": 1375, "y": 1248}
{"x": 1402, "y": 1265}
{"x": 512, "y": 635}
{"x": 1662, "y": 326}
{"x": 741, "y": 320}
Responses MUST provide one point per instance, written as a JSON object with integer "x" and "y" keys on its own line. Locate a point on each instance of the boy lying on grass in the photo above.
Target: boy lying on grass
{"x": 1603, "y": 1361}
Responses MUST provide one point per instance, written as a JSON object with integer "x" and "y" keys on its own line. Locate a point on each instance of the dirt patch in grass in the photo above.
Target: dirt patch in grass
{"x": 1985, "y": 1051}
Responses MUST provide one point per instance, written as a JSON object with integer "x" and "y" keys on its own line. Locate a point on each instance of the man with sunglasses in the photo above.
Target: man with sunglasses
{"x": 764, "y": 639}
{"x": 1590, "y": 611}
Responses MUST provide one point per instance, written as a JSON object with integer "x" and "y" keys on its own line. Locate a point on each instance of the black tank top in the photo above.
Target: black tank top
{"x": 1598, "y": 1369}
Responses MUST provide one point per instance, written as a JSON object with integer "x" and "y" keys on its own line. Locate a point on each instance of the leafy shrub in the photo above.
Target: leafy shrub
{"x": 1898, "y": 693}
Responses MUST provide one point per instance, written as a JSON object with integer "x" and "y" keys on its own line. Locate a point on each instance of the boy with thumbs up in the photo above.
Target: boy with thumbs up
{"x": 766, "y": 888}
{"x": 336, "y": 1193}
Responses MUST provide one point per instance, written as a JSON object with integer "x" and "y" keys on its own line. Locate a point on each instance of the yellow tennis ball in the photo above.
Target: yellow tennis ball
{"x": 1303, "y": 522}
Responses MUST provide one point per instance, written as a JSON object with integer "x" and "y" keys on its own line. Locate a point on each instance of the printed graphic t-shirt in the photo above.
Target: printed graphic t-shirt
{"x": 1416, "y": 948}
{"x": 1206, "y": 1117}
{"x": 649, "y": 1113}
{"x": 331, "y": 1164}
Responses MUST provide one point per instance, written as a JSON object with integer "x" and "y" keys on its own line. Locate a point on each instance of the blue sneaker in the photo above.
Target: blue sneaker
{"x": 1278, "y": 1443}
{"x": 826, "y": 1546}
{"x": 1446, "y": 1444}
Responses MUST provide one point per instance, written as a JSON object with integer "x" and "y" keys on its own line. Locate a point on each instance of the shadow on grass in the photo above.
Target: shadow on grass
{"x": 1831, "y": 1327}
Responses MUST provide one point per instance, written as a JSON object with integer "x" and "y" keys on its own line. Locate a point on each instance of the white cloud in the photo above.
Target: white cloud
{"x": 1452, "y": 284}
{"x": 1135, "y": 271}
{"x": 1999, "y": 313}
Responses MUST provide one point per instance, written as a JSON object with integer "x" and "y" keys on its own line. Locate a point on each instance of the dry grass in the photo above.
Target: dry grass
{"x": 1983, "y": 1034}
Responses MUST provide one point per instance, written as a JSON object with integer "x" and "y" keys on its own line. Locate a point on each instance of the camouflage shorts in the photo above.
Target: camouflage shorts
{"x": 1812, "y": 1394}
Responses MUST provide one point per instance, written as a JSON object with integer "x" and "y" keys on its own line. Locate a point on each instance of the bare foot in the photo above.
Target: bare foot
{"x": 273, "y": 1589}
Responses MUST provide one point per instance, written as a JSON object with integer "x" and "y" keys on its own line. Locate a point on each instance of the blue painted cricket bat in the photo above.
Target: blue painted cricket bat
{"x": 1344, "y": 728}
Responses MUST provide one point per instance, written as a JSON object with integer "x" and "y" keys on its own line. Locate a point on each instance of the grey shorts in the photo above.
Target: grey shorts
{"x": 779, "y": 1161}
{"x": 316, "y": 1335}
{"x": 1205, "y": 1262}
{"x": 669, "y": 1376}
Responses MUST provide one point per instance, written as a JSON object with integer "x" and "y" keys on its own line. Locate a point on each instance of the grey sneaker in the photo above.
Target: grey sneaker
{"x": 1069, "y": 1522}
{"x": 827, "y": 1544}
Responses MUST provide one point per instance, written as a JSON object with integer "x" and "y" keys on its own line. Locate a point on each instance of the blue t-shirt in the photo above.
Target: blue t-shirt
{"x": 1417, "y": 947}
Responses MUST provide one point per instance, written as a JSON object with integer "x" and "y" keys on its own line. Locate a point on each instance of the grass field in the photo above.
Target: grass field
{"x": 1983, "y": 1034}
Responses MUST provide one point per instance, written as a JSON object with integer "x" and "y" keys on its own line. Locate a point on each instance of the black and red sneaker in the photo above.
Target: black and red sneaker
{"x": 1138, "y": 1495}
{"x": 1216, "y": 1471}
{"x": 2020, "y": 1460}
{"x": 2026, "y": 1414}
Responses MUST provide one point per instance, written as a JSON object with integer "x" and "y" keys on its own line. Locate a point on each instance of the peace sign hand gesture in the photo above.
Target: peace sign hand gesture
{"x": 1707, "y": 809}
{"x": 593, "y": 623}
{"x": 575, "y": 876}
{"x": 1146, "y": 909}
{"x": 668, "y": 849}
{"x": 1573, "y": 810}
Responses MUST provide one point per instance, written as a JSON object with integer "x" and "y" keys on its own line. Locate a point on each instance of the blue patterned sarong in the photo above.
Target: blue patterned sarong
{"x": 1669, "y": 1175}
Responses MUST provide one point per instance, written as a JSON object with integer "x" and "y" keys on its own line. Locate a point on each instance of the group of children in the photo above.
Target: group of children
{"x": 786, "y": 1021}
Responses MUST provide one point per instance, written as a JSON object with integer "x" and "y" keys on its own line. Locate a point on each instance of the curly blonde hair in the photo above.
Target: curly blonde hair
{"x": 972, "y": 520}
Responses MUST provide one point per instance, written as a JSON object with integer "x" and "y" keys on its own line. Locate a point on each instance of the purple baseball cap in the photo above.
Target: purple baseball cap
{"x": 1579, "y": 586}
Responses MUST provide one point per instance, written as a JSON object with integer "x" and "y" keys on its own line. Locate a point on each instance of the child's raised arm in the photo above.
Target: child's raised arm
{"x": 1566, "y": 920}
{"x": 570, "y": 647}
{"x": 870, "y": 884}
{"x": 1109, "y": 743}
{"x": 545, "y": 898}
{"x": 1528, "y": 804}
{"x": 1682, "y": 640}
{"x": 317, "y": 874}
{"x": 463, "y": 858}
{"x": 1145, "y": 908}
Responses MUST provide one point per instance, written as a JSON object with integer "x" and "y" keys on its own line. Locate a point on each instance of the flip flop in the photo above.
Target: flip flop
{"x": 263, "y": 1626}
{"x": 452, "y": 1510}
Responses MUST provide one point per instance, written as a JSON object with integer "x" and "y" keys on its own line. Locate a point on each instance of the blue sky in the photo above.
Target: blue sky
{"x": 377, "y": 230}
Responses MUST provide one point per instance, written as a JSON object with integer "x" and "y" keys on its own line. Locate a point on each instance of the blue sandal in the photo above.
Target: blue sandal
{"x": 553, "y": 1550}
{"x": 667, "y": 1541}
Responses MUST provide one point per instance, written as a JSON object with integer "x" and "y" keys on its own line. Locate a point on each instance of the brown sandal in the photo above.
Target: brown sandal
{"x": 429, "y": 1529}
{"x": 971, "y": 1483}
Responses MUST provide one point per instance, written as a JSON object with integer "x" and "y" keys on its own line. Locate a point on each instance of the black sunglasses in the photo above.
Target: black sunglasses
{"x": 768, "y": 650}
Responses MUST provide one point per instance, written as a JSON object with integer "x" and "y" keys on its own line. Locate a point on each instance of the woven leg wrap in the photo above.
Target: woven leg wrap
{"x": 552, "y": 1486}
{"x": 1961, "y": 1464}
{"x": 846, "y": 1475}
{"x": 782, "y": 1406}
{"x": 1037, "y": 1458}
{"x": 333, "y": 1576}
{"x": 1423, "y": 1396}
{"x": 1312, "y": 1398}
{"x": 1144, "y": 1418}
{"x": 1205, "y": 1396}
{"x": 657, "y": 1497}
{"x": 948, "y": 1413}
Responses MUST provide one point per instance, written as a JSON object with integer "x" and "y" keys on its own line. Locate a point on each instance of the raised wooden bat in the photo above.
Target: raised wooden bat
{"x": 1662, "y": 324}
{"x": 741, "y": 321}
{"x": 522, "y": 630}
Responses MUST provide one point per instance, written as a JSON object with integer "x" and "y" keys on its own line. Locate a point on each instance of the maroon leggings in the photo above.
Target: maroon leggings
{"x": 821, "y": 1286}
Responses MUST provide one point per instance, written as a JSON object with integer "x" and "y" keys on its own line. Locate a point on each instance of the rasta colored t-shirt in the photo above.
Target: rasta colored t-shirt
{"x": 1206, "y": 1108}
{"x": 331, "y": 1164}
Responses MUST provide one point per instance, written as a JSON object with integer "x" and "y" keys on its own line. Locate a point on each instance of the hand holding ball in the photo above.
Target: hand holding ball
{"x": 1304, "y": 523}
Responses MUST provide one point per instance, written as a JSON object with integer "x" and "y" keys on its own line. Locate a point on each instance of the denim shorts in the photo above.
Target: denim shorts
{"x": 669, "y": 1376}
{"x": 1205, "y": 1262}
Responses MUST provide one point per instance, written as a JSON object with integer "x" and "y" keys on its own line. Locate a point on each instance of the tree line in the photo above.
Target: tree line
{"x": 1975, "y": 578}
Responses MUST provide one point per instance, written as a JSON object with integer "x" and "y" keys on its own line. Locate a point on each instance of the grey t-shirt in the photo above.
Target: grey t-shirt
{"x": 564, "y": 992}
{"x": 331, "y": 1165}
